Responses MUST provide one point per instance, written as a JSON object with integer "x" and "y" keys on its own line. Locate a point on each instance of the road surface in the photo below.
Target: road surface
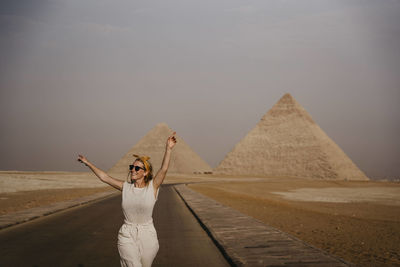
{"x": 87, "y": 236}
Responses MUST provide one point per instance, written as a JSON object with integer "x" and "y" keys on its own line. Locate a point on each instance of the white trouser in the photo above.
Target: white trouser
{"x": 137, "y": 244}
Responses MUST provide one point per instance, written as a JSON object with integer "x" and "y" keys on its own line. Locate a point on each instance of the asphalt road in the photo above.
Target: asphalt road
{"x": 87, "y": 236}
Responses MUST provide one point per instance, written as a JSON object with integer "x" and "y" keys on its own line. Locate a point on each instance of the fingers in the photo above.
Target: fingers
{"x": 172, "y": 137}
{"x": 80, "y": 158}
{"x": 171, "y": 140}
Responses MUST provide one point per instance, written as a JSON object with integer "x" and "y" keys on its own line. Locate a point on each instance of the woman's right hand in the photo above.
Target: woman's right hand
{"x": 83, "y": 159}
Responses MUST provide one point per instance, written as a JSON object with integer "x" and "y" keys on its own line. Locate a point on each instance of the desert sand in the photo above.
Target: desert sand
{"x": 358, "y": 221}
{"x": 23, "y": 190}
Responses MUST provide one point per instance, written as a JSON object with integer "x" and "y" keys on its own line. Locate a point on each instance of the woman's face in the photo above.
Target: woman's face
{"x": 138, "y": 171}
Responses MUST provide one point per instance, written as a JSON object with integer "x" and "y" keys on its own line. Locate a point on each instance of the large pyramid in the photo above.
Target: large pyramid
{"x": 183, "y": 158}
{"x": 287, "y": 142}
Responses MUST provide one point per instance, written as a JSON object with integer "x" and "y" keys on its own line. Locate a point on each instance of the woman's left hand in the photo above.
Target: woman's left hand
{"x": 171, "y": 141}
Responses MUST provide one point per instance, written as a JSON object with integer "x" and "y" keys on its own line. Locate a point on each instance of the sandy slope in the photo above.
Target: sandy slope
{"x": 358, "y": 221}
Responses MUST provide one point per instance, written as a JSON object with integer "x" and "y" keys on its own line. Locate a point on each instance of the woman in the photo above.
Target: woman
{"x": 137, "y": 237}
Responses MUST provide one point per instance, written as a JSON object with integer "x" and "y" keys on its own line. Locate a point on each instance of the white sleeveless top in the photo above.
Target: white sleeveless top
{"x": 138, "y": 203}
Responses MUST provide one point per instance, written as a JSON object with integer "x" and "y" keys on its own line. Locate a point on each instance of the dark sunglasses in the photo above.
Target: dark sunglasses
{"x": 137, "y": 168}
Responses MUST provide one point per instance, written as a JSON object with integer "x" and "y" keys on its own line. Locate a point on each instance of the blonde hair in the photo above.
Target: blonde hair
{"x": 147, "y": 167}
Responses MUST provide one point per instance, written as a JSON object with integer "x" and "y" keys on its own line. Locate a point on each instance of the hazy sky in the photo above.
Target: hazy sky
{"x": 94, "y": 76}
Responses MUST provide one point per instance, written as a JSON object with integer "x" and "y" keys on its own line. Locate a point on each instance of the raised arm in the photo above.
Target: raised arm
{"x": 103, "y": 176}
{"x": 159, "y": 178}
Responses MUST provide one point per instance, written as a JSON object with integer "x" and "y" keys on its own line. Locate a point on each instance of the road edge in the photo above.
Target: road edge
{"x": 19, "y": 217}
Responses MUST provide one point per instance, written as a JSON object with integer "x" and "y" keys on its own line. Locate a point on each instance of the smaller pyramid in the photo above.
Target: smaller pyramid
{"x": 287, "y": 142}
{"x": 183, "y": 159}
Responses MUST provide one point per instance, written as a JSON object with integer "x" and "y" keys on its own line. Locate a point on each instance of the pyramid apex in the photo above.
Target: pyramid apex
{"x": 287, "y": 105}
{"x": 161, "y": 125}
{"x": 287, "y": 95}
{"x": 160, "y": 129}
{"x": 287, "y": 98}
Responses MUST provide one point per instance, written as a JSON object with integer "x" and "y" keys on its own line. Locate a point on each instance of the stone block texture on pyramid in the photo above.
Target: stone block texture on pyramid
{"x": 183, "y": 159}
{"x": 287, "y": 142}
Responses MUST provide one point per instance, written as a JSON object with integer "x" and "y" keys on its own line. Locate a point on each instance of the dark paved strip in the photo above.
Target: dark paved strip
{"x": 247, "y": 241}
{"x": 87, "y": 236}
{"x": 182, "y": 240}
{"x": 80, "y": 236}
{"x": 18, "y": 217}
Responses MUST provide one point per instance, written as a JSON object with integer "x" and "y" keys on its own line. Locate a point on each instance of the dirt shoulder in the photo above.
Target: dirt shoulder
{"x": 16, "y": 201}
{"x": 366, "y": 233}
